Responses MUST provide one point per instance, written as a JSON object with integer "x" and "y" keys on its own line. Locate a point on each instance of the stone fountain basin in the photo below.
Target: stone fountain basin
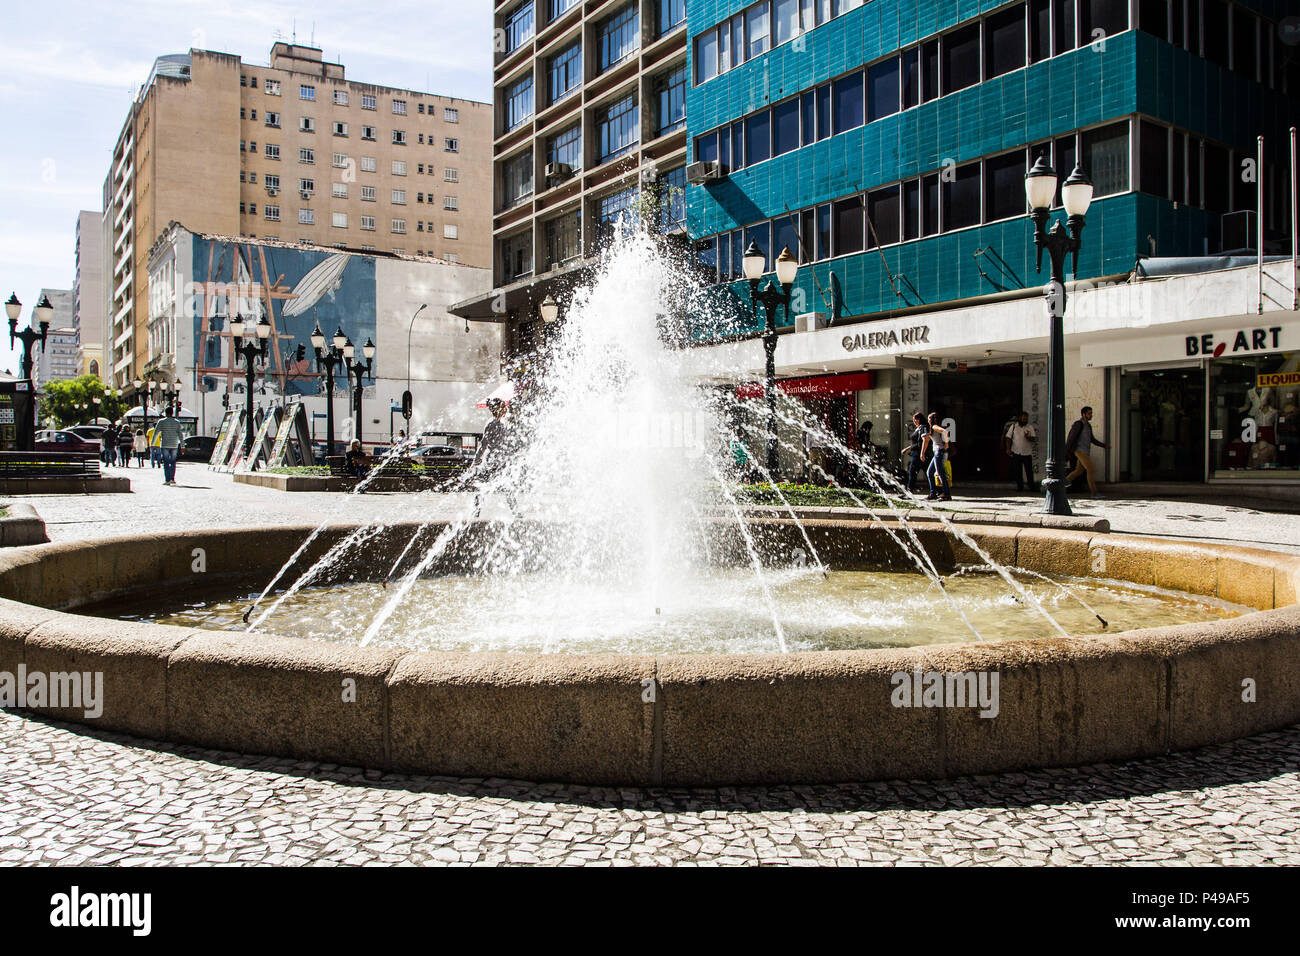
{"x": 667, "y": 719}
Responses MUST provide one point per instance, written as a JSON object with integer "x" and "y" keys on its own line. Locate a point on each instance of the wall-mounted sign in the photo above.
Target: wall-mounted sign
{"x": 1216, "y": 344}
{"x": 886, "y": 338}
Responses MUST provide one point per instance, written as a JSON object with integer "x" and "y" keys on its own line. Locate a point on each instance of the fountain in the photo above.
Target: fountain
{"x": 604, "y": 607}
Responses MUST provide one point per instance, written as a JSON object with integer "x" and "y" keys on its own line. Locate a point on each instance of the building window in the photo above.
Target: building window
{"x": 563, "y": 238}
{"x": 612, "y": 208}
{"x": 450, "y": 175}
{"x": 273, "y": 120}
{"x": 706, "y": 56}
{"x": 368, "y": 101}
{"x": 339, "y": 161}
{"x": 671, "y": 13}
{"x": 883, "y": 89}
{"x": 368, "y": 223}
{"x": 368, "y": 132}
{"x": 961, "y": 198}
{"x": 271, "y": 213}
{"x": 757, "y": 30}
{"x": 517, "y": 27}
{"x": 272, "y": 152}
{"x": 516, "y": 256}
{"x": 399, "y": 107}
{"x": 340, "y": 220}
{"x": 272, "y": 181}
{"x": 1153, "y": 159}
{"x": 617, "y": 128}
{"x": 369, "y": 164}
{"x": 671, "y": 189}
{"x": 1004, "y": 42}
{"x": 1105, "y": 156}
{"x": 340, "y": 97}
{"x": 557, "y": 8}
{"x": 516, "y": 179}
{"x": 848, "y": 101}
{"x": 306, "y": 155}
{"x": 307, "y": 185}
{"x": 399, "y": 137}
{"x": 368, "y": 194}
{"x": 1004, "y": 186}
{"x": 450, "y": 145}
{"x": 340, "y": 129}
{"x": 848, "y": 226}
{"x": 671, "y": 89}
{"x": 306, "y": 217}
{"x": 399, "y": 226}
{"x": 399, "y": 167}
{"x": 1105, "y": 18}
{"x": 451, "y": 231}
{"x": 517, "y": 102}
{"x": 566, "y": 147}
{"x": 961, "y": 58}
{"x": 306, "y": 125}
{"x": 451, "y": 203}
{"x": 306, "y": 92}
{"x": 272, "y": 88}
{"x": 399, "y": 197}
{"x": 617, "y": 37}
{"x": 564, "y": 72}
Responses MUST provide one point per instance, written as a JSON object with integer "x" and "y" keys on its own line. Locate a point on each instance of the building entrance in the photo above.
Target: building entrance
{"x": 981, "y": 401}
{"x": 1162, "y": 424}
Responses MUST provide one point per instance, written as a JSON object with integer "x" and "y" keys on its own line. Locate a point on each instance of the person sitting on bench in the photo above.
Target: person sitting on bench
{"x": 356, "y": 462}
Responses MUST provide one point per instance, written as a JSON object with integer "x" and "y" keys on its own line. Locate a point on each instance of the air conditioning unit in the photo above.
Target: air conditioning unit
{"x": 273, "y": 190}
{"x": 811, "y": 321}
{"x": 558, "y": 170}
{"x": 699, "y": 173}
{"x": 305, "y": 193}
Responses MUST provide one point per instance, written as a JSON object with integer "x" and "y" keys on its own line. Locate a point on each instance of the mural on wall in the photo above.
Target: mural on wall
{"x": 294, "y": 289}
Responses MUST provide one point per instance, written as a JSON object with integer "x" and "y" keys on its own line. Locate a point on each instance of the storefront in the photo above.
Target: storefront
{"x": 1207, "y": 404}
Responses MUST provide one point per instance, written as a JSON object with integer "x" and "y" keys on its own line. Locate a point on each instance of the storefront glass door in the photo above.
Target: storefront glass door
{"x": 1162, "y": 425}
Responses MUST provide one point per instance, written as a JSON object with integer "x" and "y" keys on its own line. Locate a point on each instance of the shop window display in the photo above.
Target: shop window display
{"x": 1255, "y": 413}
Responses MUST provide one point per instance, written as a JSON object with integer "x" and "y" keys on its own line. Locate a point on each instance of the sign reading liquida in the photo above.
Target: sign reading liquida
{"x": 1277, "y": 379}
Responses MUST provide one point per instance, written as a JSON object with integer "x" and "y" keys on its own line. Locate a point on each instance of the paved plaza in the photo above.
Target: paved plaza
{"x": 73, "y": 796}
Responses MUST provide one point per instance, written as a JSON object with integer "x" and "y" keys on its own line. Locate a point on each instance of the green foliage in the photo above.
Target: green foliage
{"x": 808, "y": 495}
{"x": 59, "y": 401}
{"x": 309, "y": 471}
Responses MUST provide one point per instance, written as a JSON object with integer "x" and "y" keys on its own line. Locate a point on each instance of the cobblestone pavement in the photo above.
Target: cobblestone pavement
{"x": 206, "y": 498}
{"x": 76, "y": 798}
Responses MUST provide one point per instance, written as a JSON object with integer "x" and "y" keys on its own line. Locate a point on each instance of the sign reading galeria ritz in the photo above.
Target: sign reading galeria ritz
{"x": 886, "y": 338}
{"x": 1220, "y": 343}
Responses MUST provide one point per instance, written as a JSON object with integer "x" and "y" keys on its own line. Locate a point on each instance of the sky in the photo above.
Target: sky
{"x": 70, "y": 68}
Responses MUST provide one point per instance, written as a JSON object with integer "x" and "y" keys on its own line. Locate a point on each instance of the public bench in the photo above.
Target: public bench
{"x": 48, "y": 464}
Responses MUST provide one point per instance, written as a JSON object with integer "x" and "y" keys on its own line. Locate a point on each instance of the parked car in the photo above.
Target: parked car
{"x": 89, "y": 432}
{"x": 197, "y": 448}
{"x": 440, "y": 454}
{"x": 58, "y": 440}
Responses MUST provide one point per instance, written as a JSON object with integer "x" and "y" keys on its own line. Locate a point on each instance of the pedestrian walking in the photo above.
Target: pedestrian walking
{"x": 141, "y": 445}
{"x": 109, "y": 441}
{"x": 916, "y": 444}
{"x": 155, "y": 445}
{"x": 1019, "y": 440}
{"x": 1078, "y": 448}
{"x": 936, "y": 472}
{"x": 494, "y": 449}
{"x": 168, "y": 436}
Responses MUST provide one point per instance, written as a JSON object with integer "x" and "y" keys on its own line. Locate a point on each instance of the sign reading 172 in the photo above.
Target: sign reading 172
{"x": 1252, "y": 340}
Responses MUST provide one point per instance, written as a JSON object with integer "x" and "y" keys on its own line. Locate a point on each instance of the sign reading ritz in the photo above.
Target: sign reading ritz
{"x": 882, "y": 340}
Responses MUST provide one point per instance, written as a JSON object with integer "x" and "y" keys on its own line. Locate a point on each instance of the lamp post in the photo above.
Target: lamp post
{"x": 1076, "y": 196}
{"x": 41, "y": 316}
{"x": 327, "y": 360}
{"x": 250, "y": 351}
{"x": 145, "y": 389}
{"x": 769, "y": 297}
{"x": 358, "y": 371}
{"x": 408, "y": 402}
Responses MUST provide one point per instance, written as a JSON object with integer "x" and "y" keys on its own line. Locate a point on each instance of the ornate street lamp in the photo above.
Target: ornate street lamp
{"x": 254, "y": 349}
{"x": 549, "y": 309}
{"x": 769, "y": 297}
{"x": 41, "y": 316}
{"x": 327, "y": 360}
{"x": 357, "y": 371}
{"x": 1076, "y": 196}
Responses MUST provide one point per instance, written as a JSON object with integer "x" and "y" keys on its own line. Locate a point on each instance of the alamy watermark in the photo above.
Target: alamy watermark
{"x": 919, "y": 688}
{"x": 69, "y": 690}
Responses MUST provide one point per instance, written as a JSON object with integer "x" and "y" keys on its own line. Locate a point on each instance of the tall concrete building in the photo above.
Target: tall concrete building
{"x": 291, "y": 151}
{"x": 58, "y": 360}
{"x": 88, "y": 294}
{"x": 590, "y": 105}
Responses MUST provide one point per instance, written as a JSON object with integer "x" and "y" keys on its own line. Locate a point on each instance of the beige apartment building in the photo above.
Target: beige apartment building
{"x": 291, "y": 151}
{"x": 590, "y": 116}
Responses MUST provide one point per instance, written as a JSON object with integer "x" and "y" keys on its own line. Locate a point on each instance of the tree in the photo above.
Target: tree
{"x": 60, "y": 401}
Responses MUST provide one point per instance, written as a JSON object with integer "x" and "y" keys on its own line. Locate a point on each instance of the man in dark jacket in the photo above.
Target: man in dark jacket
{"x": 1078, "y": 448}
